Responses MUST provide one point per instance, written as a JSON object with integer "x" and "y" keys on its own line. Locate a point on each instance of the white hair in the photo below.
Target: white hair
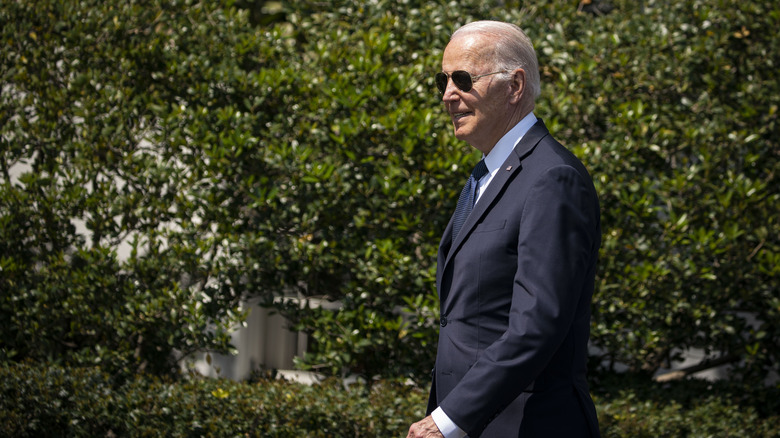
{"x": 512, "y": 49}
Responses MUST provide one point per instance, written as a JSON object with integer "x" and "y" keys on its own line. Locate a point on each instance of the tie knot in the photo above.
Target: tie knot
{"x": 479, "y": 170}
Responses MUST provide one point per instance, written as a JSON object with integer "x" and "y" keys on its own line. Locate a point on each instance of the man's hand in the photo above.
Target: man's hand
{"x": 424, "y": 428}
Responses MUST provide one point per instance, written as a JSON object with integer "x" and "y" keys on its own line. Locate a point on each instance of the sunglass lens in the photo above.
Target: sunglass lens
{"x": 462, "y": 80}
{"x": 441, "y": 82}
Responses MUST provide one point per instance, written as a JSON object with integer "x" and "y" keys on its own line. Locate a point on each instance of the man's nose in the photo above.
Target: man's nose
{"x": 450, "y": 91}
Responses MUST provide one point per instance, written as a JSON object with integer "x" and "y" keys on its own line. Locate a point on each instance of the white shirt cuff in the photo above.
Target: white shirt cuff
{"x": 445, "y": 425}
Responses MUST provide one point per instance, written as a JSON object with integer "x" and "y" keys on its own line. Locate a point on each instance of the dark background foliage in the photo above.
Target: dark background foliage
{"x": 47, "y": 400}
{"x": 164, "y": 160}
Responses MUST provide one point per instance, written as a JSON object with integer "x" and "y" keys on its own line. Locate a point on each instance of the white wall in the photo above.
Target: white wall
{"x": 264, "y": 342}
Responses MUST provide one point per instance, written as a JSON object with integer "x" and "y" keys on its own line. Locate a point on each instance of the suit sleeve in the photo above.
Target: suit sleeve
{"x": 557, "y": 239}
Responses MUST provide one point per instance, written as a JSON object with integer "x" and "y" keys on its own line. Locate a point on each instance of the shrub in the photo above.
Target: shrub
{"x": 631, "y": 406}
{"x": 53, "y": 401}
{"x": 302, "y": 153}
{"x": 36, "y": 400}
{"x": 93, "y": 125}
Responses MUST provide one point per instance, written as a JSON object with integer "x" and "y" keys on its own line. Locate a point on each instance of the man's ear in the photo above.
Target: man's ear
{"x": 518, "y": 85}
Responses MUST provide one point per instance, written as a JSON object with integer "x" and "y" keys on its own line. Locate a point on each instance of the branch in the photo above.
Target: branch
{"x": 701, "y": 366}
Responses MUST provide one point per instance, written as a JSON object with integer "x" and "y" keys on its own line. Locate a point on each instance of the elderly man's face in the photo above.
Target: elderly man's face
{"x": 481, "y": 116}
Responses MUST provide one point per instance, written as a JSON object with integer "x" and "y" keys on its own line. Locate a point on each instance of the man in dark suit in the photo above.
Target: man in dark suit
{"x": 515, "y": 275}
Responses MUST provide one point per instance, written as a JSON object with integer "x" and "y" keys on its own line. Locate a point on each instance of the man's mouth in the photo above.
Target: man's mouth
{"x": 456, "y": 116}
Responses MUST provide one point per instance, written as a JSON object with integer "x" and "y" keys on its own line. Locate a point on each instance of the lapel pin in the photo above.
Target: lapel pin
{"x": 508, "y": 168}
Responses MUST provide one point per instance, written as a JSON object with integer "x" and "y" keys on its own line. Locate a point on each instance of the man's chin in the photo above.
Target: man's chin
{"x": 461, "y": 133}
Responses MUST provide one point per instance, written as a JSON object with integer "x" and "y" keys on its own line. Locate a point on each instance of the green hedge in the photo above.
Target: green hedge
{"x": 39, "y": 401}
{"x": 631, "y": 405}
{"x": 299, "y": 148}
{"x": 53, "y": 401}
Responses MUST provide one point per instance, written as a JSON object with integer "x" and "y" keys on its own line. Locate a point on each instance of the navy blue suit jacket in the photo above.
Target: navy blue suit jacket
{"x": 515, "y": 289}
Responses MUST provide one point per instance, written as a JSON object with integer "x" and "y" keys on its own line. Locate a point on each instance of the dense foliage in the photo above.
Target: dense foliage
{"x": 85, "y": 402}
{"x": 37, "y": 401}
{"x": 674, "y": 106}
{"x": 161, "y": 160}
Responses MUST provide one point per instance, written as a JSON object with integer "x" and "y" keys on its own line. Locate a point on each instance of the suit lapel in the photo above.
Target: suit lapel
{"x": 511, "y": 166}
{"x": 485, "y": 201}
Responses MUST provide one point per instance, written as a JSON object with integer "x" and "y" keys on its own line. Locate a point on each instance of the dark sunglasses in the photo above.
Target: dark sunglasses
{"x": 462, "y": 79}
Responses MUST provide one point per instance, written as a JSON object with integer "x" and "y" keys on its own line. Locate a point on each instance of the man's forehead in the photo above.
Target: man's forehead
{"x": 467, "y": 50}
{"x": 473, "y": 41}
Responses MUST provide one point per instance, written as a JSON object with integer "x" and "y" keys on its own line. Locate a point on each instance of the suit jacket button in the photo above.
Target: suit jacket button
{"x": 443, "y": 321}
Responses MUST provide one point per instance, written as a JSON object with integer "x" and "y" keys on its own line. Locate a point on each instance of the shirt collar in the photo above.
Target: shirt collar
{"x": 506, "y": 145}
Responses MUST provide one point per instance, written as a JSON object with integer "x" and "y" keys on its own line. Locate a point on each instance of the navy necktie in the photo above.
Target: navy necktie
{"x": 467, "y": 197}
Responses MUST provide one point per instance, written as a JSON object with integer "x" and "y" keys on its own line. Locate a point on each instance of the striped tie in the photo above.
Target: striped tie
{"x": 467, "y": 197}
